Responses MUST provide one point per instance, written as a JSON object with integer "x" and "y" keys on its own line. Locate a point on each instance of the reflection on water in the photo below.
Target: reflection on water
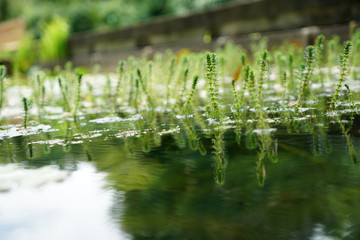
{"x": 186, "y": 179}
{"x": 174, "y": 198}
{"x": 74, "y": 209}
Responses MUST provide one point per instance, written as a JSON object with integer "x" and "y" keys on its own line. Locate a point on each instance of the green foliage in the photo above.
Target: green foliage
{"x": 119, "y": 82}
{"x": 220, "y": 160}
{"x": 356, "y": 57}
{"x": 78, "y": 95}
{"x": 186, "y": 106}
{"x": 143, "y": 87}
{"x": 350, "y": 96}
{"x": 236, "y": 97}
{"x": 25, "y": 56}
{"x": 170, "y": 79}
{"x": 185, "y": 79}
{"x": 291, "y": 84}
{"x": 344, "y": 58}
{"x": 319, "y": 43}
{"x": 213, "y": 90}
{"x": 263, "y": 62}
{"x": 26, "y": 111}
{"x": 63, "y": 90}
{"x": 285, "y": 84}
{"x": 53, "y": 43}
{"x": 306, "y": 73}
{"x": 155, "y": 98}
{"x": 94, "y": 14}
{"x": 4, "y": 9}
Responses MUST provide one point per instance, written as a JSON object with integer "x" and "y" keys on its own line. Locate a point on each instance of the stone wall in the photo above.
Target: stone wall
{"x": 279, "y": 20}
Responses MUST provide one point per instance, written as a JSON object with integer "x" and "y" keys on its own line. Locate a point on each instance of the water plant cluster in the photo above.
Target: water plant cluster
{"x": 249, "y": 94}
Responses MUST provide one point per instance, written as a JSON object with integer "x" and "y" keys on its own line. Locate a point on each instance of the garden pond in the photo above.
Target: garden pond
{"x": 125, "y": 156}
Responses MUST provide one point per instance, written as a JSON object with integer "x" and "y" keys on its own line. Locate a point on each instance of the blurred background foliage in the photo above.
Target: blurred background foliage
{"x": 50, "y": 22}
{"x": 83, "y": 15}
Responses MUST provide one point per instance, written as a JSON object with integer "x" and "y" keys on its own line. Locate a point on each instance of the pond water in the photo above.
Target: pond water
{"x": 121, "y": 177}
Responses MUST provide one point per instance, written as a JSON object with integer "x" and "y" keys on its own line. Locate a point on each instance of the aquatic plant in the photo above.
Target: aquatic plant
{"x": 26, "y": 112}
{"x": 65, "y": 104}
{"x": 194, "y": 97}
{"x": 285, "y": 85}
{"x": 137, "y": 93}
{"x": 143, "y": 87}
{"x": 169, "y": 80}
{"x": 108, "y": 89}
{"x": 211, "y": 76}
{"x": 319, "y": 45}
{"x": 219, "y": 156}
{"x": 119, "y": 82}
{"x": 262, "y": 73}
{"x": 291, "y": 71}
{"x": 307, "y": 72}
{"x": 236, "y": 97}
{"x": 344, "y": 58}
{"x": 350, "y": 96}
{"x": 186, "y": 106}
{"x": 78, "y": 95}
{"x": 193, "y": 137}
{"x": 185, "y": 79}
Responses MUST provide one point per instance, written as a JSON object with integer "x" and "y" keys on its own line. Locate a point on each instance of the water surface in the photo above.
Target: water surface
{"x": 121, "y": 181}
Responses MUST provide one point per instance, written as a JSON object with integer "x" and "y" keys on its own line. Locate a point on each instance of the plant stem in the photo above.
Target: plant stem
{"x": 344, "y": 57}
{"x": 26, "y": 110}
{"x": 307, "y": 75}
{"x": 188, "y": 101}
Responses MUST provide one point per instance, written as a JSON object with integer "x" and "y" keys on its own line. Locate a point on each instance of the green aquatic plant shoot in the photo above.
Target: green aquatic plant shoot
{"x": 344, "y": 58}
{"x": 40, "y": 95}
{"x": 42, "y": 99}
{"x": 78, "y": 94}
{"x": 119, "y": 82}
{"x": 236, "y": 97}
{"x": 285, "y": 85}
{"x": 252, "y": 88}
{"x": 291, "y": 71}
{"x": 307, "y": 73}
{"x": 319, "y": 43}
{"x": 137, "y": 93}
{"x": 185, "y": 79}
{"x": 262, "y": 74}
{"x": 220, "y": 160}
{"x": 143, "y": 87}
{"x": 169, "y": 80}
{"x": 66, "y": 105}
{"x": 243, "y": 59}
{"x": 186, "y": 106}
{"x": 280, "y": 63}
{"x": 213, "y": 88}
{"x": 26, "y": 111}
{"x": 351, "y": 99}
{"x": 245, "y": 84}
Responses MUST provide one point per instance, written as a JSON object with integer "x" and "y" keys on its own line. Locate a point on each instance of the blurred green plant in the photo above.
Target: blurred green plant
{"x": 53, "y": 43}
{"x": 25, "y": 55}
{"x": 96, "y": 14}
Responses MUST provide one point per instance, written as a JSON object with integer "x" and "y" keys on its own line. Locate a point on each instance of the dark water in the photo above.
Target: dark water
{"x": 126, "y": 183}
